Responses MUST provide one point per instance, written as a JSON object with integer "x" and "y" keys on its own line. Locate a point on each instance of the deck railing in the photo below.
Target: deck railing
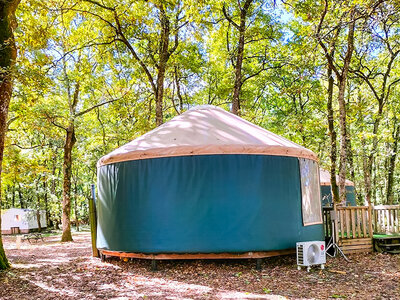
{"x": 327, "y": 220}
{"x": 387, "y": 219}
{"x": 355, "y": 225}
{"x": 352, "y": 222}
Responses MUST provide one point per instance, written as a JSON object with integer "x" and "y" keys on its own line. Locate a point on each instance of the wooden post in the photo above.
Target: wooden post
{"x": 335, "y": 223}
{"x": 154, "y": 265}
{"x": 93, "y": 221}
{"x": 258, "y": 264}
{"x": 364, "y": 221}
{"x": 353, "y": 224}
{"x": 371, "y": 231}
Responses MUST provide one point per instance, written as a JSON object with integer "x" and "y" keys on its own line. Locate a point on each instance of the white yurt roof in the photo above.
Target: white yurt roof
{"x": 206, "y": 130}
{"x": 325, "y": 178}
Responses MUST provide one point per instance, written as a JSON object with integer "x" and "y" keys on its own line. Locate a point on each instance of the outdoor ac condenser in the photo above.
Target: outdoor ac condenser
{"x": 310, "y": 253}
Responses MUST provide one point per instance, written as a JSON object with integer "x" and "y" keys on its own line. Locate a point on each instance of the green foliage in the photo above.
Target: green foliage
{"x": 62, "y": 43}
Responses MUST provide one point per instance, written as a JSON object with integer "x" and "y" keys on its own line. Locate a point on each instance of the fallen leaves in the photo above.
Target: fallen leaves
{"x": 52, "y": 270}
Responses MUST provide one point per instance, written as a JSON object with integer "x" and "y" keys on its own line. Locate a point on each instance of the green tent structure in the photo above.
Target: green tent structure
{"x": 326, "y": 190}
{"x": 207, "y": 182}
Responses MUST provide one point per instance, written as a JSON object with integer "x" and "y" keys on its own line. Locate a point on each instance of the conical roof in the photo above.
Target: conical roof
{"x": 325, "y": 178}
{"x": 206, "y": 130}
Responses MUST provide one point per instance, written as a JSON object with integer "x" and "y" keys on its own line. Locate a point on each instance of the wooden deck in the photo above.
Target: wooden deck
{"x": 355, "y": 225}
{"x": 389, "y": 243}
{"x": 356, "y": 245}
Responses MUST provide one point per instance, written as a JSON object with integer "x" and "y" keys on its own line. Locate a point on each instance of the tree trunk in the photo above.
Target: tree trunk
{"x": 351, "y": 164}
{"x": 342, "y": 110}
{"x": 343, "y": 142}
{"x": 239, "y": 59}
{"x": 38, "y": 208}
{"x": 20, "y": 197}
{"x": 6, "y": 192}
{"x": 367, "y": 175}
{"x": 46, "y": 204}
{"x": 38, "y": 220}
{"x": 162, "y": 66}
{"x": 238, "y": 76}
{"x": 164, "y": 54}
{"x": 13, "y": 195}
{"x": 53, "y": 188}
{"x": 391, "y": 168}
{"x": 332, "y": 135}
{"x": 76, "y": 206}
{"x": 374, "y": 181}
{"x": 178, "y": 90}
{"x": 350, "y": 158}
{"x": 8, "y": 54}
{"x": 160, "y": 94}
{"x": 67, "y": 170}
{"x": 370, "y": 159}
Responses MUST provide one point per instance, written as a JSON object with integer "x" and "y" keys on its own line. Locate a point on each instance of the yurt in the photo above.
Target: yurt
{"x": 21, "y": 220}
{"x": 326, "y": 189}
{"x": 207, "y": 182}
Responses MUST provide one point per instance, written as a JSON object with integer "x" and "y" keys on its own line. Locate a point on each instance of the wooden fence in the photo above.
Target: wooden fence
{"x": 354, "y": 222}
{"x": 351, "y": 221}
{"x": 327, "y": 211}
{"x": 387, "y": 219}
{"x": 353, "y": 227}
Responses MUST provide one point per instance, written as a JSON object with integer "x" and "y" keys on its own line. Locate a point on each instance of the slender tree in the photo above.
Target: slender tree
{"x": 73, "y": 90}
{"x": 332, "y": 130}
{"x": 341, "y": 73}
{"x": 392, "y": 162}
{"x": 241, "y": 28}
{"x": 8, "y": 55}
{"x": 379, "y": 75}
{"x": 159, "y": 47}
{"x": 74, "y": 98}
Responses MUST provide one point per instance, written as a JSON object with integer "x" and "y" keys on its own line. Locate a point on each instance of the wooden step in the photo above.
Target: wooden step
{"x": 359, "y": 245}
{"x": 393, "y": 251}
{"x": 354, "y": 251}
{"x": 365, "y": 241}
{"x": 388, "y": 245}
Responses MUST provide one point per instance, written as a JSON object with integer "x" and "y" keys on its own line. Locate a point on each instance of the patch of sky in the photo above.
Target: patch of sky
{"x": 280, "y": 16}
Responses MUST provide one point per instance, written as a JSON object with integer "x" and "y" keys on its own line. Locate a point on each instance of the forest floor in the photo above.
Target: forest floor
{"x": 54, "y": 270}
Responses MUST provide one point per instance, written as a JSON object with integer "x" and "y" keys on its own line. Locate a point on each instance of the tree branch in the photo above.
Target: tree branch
{"x": 228, "y": 17}
{"x": 10, "y": 121}
{"x": 321, "y": 43}
{"x": 90, "y": 13}
{"x": 75, "y": 97}
{"x": 100, "y": 5}
{"x": 97, "y": 105}
{"x": 27, "y": 148}
{"x": 51, "y": 119}
{"x": 125, "y": 41}
{"x": 389, "y": 88}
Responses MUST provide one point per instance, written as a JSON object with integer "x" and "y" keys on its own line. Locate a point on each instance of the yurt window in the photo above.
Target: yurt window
{"x": 310, "y": 191}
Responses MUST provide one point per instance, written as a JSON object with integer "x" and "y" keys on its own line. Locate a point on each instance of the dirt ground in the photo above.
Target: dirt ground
{"x": 52, "y": 270}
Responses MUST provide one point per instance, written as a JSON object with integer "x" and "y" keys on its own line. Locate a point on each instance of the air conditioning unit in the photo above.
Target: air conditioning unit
{"x": 310, "y": 253}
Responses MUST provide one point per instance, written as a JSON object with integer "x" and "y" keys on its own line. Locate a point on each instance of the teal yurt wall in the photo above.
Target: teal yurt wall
{"x": 207, "y": 182}
{"x": 326, "y": 190}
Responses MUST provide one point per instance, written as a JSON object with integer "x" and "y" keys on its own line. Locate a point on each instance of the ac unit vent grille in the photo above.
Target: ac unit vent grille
{"x": 310, "y": 253}
{"x": 300, "y": 255}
